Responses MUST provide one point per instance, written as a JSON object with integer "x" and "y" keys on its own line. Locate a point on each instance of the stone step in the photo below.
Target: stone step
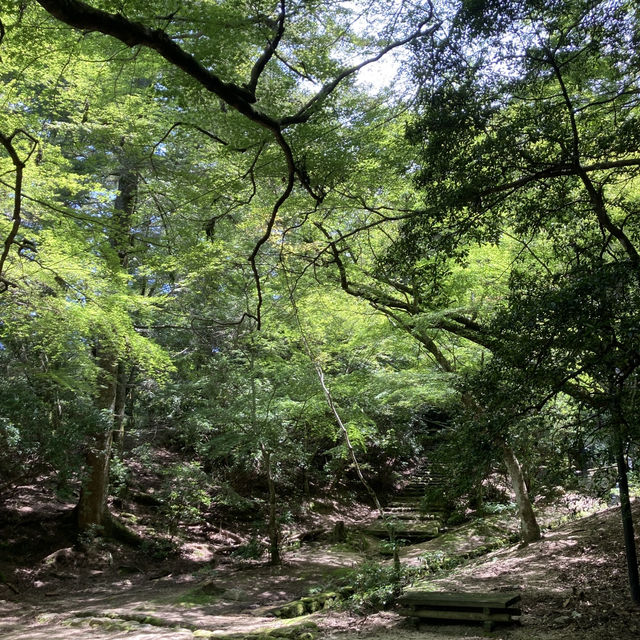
{"x": 433, "y": 473}
{"x": 405, "y": 501}
{"x": 414, "y": 516}
{"x": 410, "y": 516}
{"x": 419, "y": 503}
{"x": 426, "y": 509}
{"x": 410, "y": 491}
{"x": 399, "y": 508}
{"x": 413, "y": 531}
{"x": 416, "y": 496}
{"x": 427, "y": 480}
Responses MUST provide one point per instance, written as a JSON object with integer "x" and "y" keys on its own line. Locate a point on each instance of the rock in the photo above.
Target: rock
{"x": 62, "y": 557}
{"x": 99, "y": 558}
{"x": 74, "y": 622}
{"x": 304, "y": 631}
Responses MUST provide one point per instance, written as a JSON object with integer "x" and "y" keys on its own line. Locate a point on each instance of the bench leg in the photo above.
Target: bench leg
{"x": 488, "y": 623}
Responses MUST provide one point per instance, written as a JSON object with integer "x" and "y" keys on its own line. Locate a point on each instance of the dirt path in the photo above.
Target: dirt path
{"x": 573, "y": 585}
{"x": 240, "y": 601}
{"x": 233, "y": 599}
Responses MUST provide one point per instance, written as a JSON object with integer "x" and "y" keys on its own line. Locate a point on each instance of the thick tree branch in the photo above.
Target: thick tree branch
{"x": 291, "y": 175}
{"x": 559, "y": 170}
{"x": 16, "y": 217}
{"x": 595, "y": 195}
{"x": 423, "y": 339}
{"x": 268, "y": 53}
{"x": 454, "y": 323}
{"x": 210, "y": 135}
{"x": 80, "y": 15}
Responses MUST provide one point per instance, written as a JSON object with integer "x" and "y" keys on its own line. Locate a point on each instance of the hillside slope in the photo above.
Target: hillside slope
{"x": 573, "y": 585}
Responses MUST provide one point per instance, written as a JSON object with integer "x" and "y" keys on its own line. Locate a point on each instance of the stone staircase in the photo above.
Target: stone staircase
{"x": 411, "y": 514}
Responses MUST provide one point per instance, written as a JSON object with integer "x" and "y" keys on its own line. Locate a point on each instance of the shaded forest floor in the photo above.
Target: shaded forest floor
{"x": 573, "y": 582}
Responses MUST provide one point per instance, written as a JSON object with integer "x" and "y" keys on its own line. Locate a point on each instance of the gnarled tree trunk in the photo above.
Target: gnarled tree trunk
{"x": 529, "y": 528}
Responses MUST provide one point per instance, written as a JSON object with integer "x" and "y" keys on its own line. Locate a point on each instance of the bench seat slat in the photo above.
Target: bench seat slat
{"x": 514, "y": 611}
{"x": 456, "y": 599}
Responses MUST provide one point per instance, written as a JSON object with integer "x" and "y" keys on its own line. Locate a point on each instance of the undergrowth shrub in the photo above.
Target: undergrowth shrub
{"x": 118, "y": 477}
{"x": 496, "y": 508}
{"x": 252, "y": 550}
{"x": 184, "y": 495}
{"x": 160, "y": 548}
{"x": 377, "y": 586}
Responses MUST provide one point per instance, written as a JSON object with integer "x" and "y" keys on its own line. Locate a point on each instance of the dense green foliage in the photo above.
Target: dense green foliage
{"x": 217, "y": 242}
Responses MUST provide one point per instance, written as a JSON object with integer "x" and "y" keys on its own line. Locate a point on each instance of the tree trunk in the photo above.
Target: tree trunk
{"x": 529, "y": 528}
{"x": 627, "y": 521}
{"x": 92, "y": 506}
{"x": 119, "y": 406}
{"x": 274, "y": 530}
{"x": 124, "y": 207}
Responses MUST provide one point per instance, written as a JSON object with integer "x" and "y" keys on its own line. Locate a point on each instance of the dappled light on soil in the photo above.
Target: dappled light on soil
{"x": 565, "y": 580}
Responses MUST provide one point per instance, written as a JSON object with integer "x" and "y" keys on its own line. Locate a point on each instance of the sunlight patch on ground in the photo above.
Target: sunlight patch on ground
{"x": 197, "y": 552}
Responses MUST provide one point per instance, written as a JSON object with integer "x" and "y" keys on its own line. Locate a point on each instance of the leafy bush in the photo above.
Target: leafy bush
{"x": 634, "y": 483}
{"x": 253, "y": 550}
{"x": 377, "y": 586}
{"x": 160, "y": 548}
{"x": 495, "y": 508}
{"x": 184, "y": 494}
{"x": 436, "y": 561}
{"x": 118, "y": 476}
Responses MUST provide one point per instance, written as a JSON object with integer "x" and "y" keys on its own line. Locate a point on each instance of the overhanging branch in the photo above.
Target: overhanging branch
{"x": 16, "y": 217}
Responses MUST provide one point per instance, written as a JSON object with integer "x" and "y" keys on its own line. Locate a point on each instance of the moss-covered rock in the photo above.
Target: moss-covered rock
{"x": 311, "y": 604}
{"x": 119, "y": 622}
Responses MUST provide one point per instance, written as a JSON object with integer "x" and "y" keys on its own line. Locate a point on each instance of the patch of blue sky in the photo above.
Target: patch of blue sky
{"x": 160, "y": 149}
{"x": 103, "y": 195}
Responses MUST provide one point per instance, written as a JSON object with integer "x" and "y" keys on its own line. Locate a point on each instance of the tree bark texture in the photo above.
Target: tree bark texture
{"x": 627, "y": 521}
{"x": 529, "y": 528}
{"x": 92, "y": 506}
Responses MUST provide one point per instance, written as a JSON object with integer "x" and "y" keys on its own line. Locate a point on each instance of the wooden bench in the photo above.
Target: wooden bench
{"x": 487, "y": 608}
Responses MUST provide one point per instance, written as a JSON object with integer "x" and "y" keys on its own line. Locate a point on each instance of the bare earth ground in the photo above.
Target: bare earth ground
{"x": 573, "y": 585}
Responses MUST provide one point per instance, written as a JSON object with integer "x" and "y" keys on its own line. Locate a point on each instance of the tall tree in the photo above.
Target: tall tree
{"x": 78, "y": 225}
{"x": 528, "y": 127}
{"x": 265, "y": 90}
